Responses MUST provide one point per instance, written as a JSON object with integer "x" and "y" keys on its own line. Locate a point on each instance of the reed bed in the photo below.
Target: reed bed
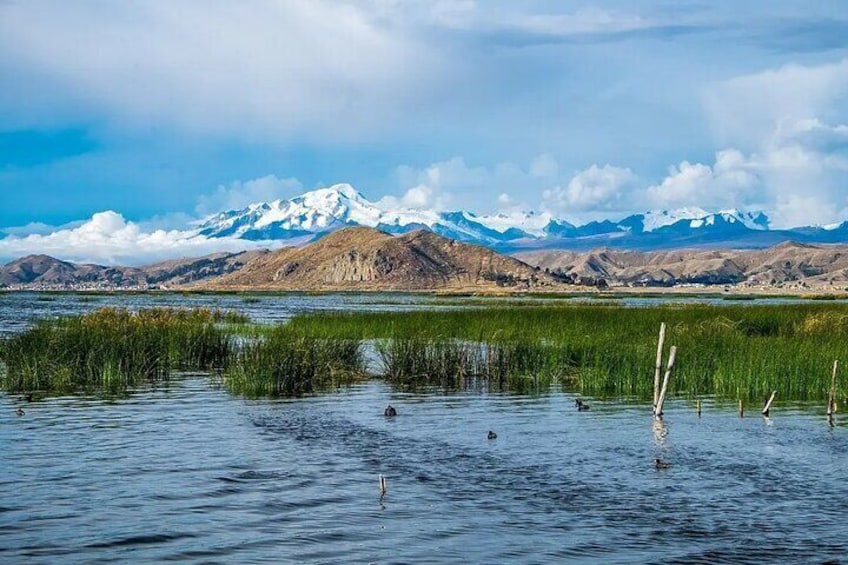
{"x": 731, "y": 351}
{"x": 114, "y": 349}
{"x": 281, "y": 364}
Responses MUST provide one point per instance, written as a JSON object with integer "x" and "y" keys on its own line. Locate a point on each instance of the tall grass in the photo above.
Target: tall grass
{"x": 733, "y": 351}
{"x": 112, "y": 349}
{"x": 281, "y": 364}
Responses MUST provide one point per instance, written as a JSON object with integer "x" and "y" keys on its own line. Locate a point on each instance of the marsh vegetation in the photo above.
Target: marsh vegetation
{"x": 733, "y": 351}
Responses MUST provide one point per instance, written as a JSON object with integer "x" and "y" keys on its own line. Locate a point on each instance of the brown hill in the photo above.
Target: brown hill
{"x": 359, "y": 258}
{"x": 48, "y": 271}
{"x": 783, "y": 265}
{"x": 43, "y": 271}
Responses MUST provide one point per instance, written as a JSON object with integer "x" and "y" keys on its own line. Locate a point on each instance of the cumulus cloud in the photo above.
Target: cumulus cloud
{"x": 595, "y": 191}
{"x": 455, "y": 183}
{"x": 239, "y": 194}
{"x": 731, "y": 182}
{"x": 107, "y": 238}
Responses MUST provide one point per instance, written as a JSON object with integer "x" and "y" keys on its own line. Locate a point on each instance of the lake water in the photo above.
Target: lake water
{"x": 188, "y": 473}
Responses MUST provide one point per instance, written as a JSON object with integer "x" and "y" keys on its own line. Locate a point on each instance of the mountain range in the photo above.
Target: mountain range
{"x": 366, "y": 259}
{"x": 307, "y": 217}
{"x": 354, "y": 258}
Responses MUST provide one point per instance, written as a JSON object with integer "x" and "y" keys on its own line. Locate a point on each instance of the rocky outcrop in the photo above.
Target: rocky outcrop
{"x": 368, "y": 259}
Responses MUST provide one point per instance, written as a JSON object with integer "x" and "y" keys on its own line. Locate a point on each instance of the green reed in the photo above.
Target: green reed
{"x": 280, "y": 364}
{"x": 730, "y": 350}
{"x": 113, "y": 349}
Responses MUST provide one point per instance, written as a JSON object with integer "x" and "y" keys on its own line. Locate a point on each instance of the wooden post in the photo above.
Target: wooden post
{"x": 658, "y": 366}
{"x": 699, "y": 408}
{"x": 831, "y": 397}
{"x": 383, "y": 488}
{"x": 741, "y": 409}
{"x": 768, "y": 404}
{"x": 661, "y": 400}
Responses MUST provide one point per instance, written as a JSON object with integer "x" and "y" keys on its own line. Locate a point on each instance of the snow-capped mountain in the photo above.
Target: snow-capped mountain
{"x": 327, "y": 209}
{"x": 315, "y": 213}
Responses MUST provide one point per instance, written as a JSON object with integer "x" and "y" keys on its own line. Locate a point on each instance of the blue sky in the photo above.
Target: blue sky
{"x": 165, "y": 111}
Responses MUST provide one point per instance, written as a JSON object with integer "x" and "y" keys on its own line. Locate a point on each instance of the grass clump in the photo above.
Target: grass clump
{"x": 728, "y": 350}
{"x": 113, "y": 349}
{"x": 281, "y": 364}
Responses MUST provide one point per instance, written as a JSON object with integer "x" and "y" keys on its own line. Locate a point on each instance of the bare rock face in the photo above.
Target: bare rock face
{"x": 359, "y": 258}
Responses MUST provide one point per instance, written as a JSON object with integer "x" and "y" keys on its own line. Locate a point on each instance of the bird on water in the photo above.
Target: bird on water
{"x": 581, "y": 406}
{"x": 390, "y": 411}
{"x": 492, "y": 435}
{"x": 20, "y": 412}
{"x": 660, "y": 464}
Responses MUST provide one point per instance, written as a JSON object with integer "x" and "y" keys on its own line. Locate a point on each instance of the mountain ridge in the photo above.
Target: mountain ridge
{"x": 307, "y": 217}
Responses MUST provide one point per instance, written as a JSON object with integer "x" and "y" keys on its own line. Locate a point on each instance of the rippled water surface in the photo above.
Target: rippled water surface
{"x": 189, "y": 473}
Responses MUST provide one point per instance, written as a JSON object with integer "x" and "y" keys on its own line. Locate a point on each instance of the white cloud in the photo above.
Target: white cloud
{"x": 260, "y": 69}
{"x": 746, "y": 110}
{"x": 593, "y": 192}
{"x": 454, "y": 183}
{"x": 239, "y": 194}
{"x": 107, "y": 238}
{"x": 731, "y": 182}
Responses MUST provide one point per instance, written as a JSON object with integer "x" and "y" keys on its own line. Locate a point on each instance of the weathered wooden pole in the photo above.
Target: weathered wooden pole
{"x": 767, "y": 407}
{"x": 741, "y": 409}
{"x": 699, "y": 407}
{"x": 831, "y": 397}
{"x": 658, "y": 412}
{"x": 383, "y": 488}
{"x": 658, "y": 366}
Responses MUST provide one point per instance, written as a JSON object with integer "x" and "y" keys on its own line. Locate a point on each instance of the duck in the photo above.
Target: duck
{"x": 20, "y": 412}
{"x": 660, "y": 464}
{"x": 492, "y": 435}
{"x": 581, "y": 406}
{"x": 390, "y": 411}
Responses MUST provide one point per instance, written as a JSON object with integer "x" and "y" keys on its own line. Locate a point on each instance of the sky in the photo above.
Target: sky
{"x": 143, "y": 116}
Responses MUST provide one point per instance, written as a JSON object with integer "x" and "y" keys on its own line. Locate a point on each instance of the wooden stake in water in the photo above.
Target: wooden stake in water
{"x": 658, "y": 366}
{"x": 767, "y": 407}
{"x": 831, "y": 397}
{"x": 658, "y": 412}
{"x": 699, "y": 407}
{"x": 741, "y": 409}
{"x": 383, "y": 488}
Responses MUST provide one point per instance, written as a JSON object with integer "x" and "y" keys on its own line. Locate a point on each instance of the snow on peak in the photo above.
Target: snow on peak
{"x": 698, "y": 218}
{"x": 532, "y": 223}
{"x": 656, "y": 219}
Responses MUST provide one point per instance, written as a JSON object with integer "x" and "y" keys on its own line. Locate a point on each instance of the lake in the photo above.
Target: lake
{"x": 189, "y": 473}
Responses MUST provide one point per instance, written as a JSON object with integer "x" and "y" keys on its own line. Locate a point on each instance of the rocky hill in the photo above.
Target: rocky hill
{"x": 787, "y": 264}
{"x": 42, "y": 271}
{"x": 368, "y": 259}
